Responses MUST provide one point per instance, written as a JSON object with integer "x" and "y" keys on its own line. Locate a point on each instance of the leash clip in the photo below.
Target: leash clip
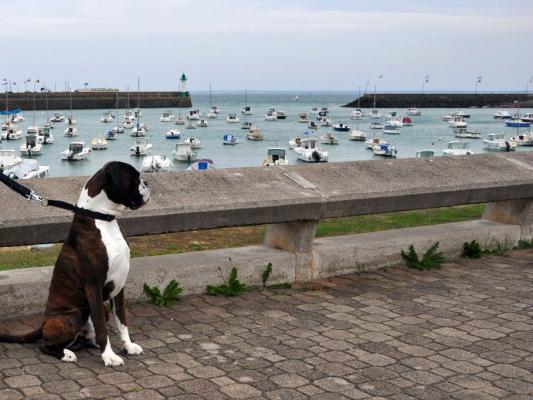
{"x": 38, "y": 199}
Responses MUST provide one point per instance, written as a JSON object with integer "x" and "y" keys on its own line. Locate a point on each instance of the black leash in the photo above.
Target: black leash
{"x": 30, "y": 195}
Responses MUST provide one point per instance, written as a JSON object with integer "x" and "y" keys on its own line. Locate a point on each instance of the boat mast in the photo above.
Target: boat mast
{"x": 209, "y": 96}
{"x": 374, "y": 96}
{"x": 138, "y": 102}
{"x": 33, "y": 117}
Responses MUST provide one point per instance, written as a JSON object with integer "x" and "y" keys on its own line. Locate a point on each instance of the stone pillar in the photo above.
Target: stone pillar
{"x": 297, "y": 238}
{"x": 513, "y": 212}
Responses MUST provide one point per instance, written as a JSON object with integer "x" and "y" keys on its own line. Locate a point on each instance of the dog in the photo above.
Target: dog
{"x": 91, "y": 269}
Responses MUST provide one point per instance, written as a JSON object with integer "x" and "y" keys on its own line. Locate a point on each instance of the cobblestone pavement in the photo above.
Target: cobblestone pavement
{"x": 462, "y": 332}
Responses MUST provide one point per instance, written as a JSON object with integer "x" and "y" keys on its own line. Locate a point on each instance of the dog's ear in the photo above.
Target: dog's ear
{"x": 114, "y": 173}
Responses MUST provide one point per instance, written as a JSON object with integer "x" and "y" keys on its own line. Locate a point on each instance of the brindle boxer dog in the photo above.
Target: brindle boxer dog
{"x": 90, "y": 270}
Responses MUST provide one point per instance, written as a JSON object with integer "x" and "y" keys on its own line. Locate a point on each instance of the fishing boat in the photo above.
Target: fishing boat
{"x": 281, "y": 115}
{"x": 76, "y": 152}
{"x": 376, "y": 125}
{"x": 27, "y": 169}
{"x": 375, "y": 141}
{"x": 357, "y": 114}
{"x": 329, "y": 138}
{"x": 190, "y": 125}
{"x": 107, "y": 117}
{"x": 309, "y": 151}
{"x": 517, "y": 123}
{"x": 99, "y": 143}
{"x": 302, "y": 118}
{"x": 202, "y": 123}
{"x": 201, "y": 165}
{"x": 193, "y": 115}
{"x": 57, "y": 117}
{"x": 246, "y": 125}
{"x": 324, "y": 121}
{"x": 247, "y": 110}
{"x": 413, "y": 112}
{"x": 270, "y": 115}
{"x": 45, "y": 136}
{"x": 341, "y": 127}
{"x": 179, "y": 120}
{"x": 213, "y": 110}
{"x": 138, "y": 130}
{"x": 391, "y": 129}
{"x": 111, "y": 135}
{"x": 498, "y": 142}
{"x": 71, "y": 131}
{"x": 457, "y": 148}
{"x": 9, "y": 158}
{"x": 385, "y": 150}
{"x": 312, "y": 125}
{"x": 523, "y": 139}
{"x": 357, "y": 135}
{"x": 167, "y": 117}
{"x": 462, "y": 114}
{"x": 229, "y": 139}
{"x": 232, "y": 118}
{"x": 185, "y": 153}
{"x": 502, "y": 115}
{"x": 425, "y": 153}
{"x": 141, "y": 147}
{"x": 457, "y": 122}
{"x": 254, "y": 134}
{"x": 528, "y": 117}
{"x": 173, "y": 134}
{"x": 70, "y": 120}
{"x": 31, "y": 130}
{"x": 156, "y": 163}
{"x": 295, "y": 142}
{"x": 194, "y": 142}
{"x": 14, "y": 133}
{"x": 31, "y": 146}
{"x": 464, "y": 133}
{"x": 407, "y": 121}
{"x": 276, "y": 156}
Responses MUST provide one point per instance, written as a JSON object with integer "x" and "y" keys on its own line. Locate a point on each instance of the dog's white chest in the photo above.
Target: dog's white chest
{"x": 118, "y": 254}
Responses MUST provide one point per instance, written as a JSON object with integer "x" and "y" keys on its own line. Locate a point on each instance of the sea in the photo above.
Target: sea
{"x": 428, "y": 131}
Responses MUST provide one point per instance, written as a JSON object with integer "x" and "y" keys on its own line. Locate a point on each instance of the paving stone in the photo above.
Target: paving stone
{"x": 240, "y": 391}
{"x": 289, "y": 380}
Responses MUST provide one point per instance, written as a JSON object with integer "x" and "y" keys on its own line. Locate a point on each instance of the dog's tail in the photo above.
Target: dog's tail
{"x": 25, "y": 338}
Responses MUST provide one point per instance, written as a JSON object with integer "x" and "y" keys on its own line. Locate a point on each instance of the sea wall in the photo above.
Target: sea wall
{"x": 95, "y": 100}
{"x": 442, "y": 100}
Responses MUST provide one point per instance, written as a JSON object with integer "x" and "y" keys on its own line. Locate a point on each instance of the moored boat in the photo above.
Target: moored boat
{"x": 76, "y": 152}
{"x": 309, "y": 151}
{"x": 275, "y": 156}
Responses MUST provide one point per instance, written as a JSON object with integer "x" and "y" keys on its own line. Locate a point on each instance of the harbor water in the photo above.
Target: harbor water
{"x": 428, "y": 131}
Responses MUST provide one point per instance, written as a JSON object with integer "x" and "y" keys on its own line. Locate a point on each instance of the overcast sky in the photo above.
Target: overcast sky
{"x": 270, "y": 45}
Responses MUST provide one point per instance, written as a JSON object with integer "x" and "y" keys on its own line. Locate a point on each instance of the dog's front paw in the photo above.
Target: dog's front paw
{"x": 69, "y": 356}
{"x": 112, "y": 360}
{"x": 133, "y": 348}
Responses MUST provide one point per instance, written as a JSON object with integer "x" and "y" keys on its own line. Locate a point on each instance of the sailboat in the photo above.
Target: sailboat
{"x": 48, "y": 124}
{"x": 213, "y": 110}
{"x": 70, "y": 120}
{"x": 374, "y": 113}
{"x": 117, "y": 128}
{"x": 127, "y": 123}
{"x": 246, "y": 109}
{"x": 139, "y": 129}
{"x": 33, "y": 129}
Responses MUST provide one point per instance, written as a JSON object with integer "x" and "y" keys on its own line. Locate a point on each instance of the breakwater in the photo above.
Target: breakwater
{"x": 441, "y": 100}
{"x": 95, "y": 100}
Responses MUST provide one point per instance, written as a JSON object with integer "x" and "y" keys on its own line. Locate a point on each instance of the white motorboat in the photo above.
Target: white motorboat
{"x": 394, "y": 120}
{"x": 376, "y": 125}
{"x": 17, "y": 118}
{"x": 296, "y": 142}
{"x": 254, "y": 134}
{"x": 457, "y": 122}
{"x": 76, "y": 152}
{"x": 302, "y": 118}
{"x": 107, "y": 117}
{"x": 45, "y": 136}
{"x": 323, "y": 112}
{"x": 315, "y": 110}
{"x": 385, "y": 150}
{"x": 281, "y": 115}
{"x": 194, "y": 142}
{"x": 329, "y": 138}
{"x": 118, "y": 129}
{"x": 246, "y": 125}
{"x": 138, "y": 130}
{"x": 524, "y": 139}
{"x": 179, "y": 120}
{"x": 391, "y": 129}
{"x": 275, "y": 156}
{"x": 185, "y": 153}
{"x": 128, "y": 124}
{"x": 324, "y": 121}
{"x": 357, "y": 114}
{"x": 312, "y": 125}
{"x": 214, "y": 110}
{"x": 71, "y": 131}
{"x": 457, "y": 148}
{"x": 247, "y": 110}
{"x": 527, "y": 117}
{"x": 31, "y": 146}
{"x": 425, "y": 153}
{"x": 202, "y": 123}
{"x": 212, "y": 115}
{"x": 193, "y": 115}
{"x": 270, "y": 115}
{"x": 461, "y": 113}
{"x": 99, "y": 143}
{"x": 502, "y": 115}
{"x": 464, "y": 133}
{"x": 137, "y": 111}
{"x": 7, "y": 124}
{"x": 141, "y": 147}
{"x": 230, "y": 139}
{"x": 70, "y": 120}
{"x": 357, "y": 135}
{"x": 309, "y": 151}
{"x": 341, "y": 127}
{"x": 232, "y": 118}
{"x": 201, "y": 165}
{"x": 129, "y": 115}
{"x": 9, "y": 158}
{"x": 156, "y": 163}
{"x": 190, "y": 125}
{"x": 32, "y": 130}
{"x": 13, "y": 133}
{"x": 447, "y": 117}
{"x": 413, "y": 112}
{"x": 173, "y": 134}
{"x": 167, "y": 117}
{"x": 498, "y": 142}
{"x": 57, "y": 117}
{"x": 375, "y": 141}
{"x": 27, "y": 169}
{"x": 374, "y": 114}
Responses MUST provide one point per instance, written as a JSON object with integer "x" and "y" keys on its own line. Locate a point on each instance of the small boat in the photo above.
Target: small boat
{"x": 71, "y": 131}
{"x": 525, "y": 139}
{"x": 315, "y": 110}
{"x": 137, "y": 111}
{"x": 517, "y": 123}
{"x": 118, "y": 129}
{"x": 14, "y": 133}
{"x": 462, "y": 114}
{"x": 528, "y": 117}
{"x": 324, "y": 121}
{"x": 357, "y": 114}
{"x": 193, "y": 115}
{"x": 9, "y": 158}
{"x": 194, "y": 142}
{"x": 128, "y": 124}
{"x": 375, "y": 141}
{"x": 214, "y": 110}
{"x": 498, "y": 142}
{"x": 254, "y": 134}
{"x": 376, "y": 125}
{"x": 141, "y": 147}
{"x": 179, "y": 120}
{"x": 45, "y": 136}
{"x": 329, "y": 138}
{"x": 184, "y": 153}
{"x": 232, "y": 118}
{"x": 391, "y": 129}
{"x": 99, "y": 143}
{"x": 275, "y": 156}
{"x": 70, "y": 120}
{"x": 246, "y": 125}
{"x": 464, "y": 133}
{"x": 322, "y": 113}
{"x": 394, "y": 120}
{"x": 374, "y": 114}
{"x": 447, "y": 117}
{"x": 27, "y": 169}
{"x": 156, "y": 163}
{"x": 425, "y": 153}
{"x": 356, "y": 135}
{"x": 76, "y": 152}
{"x": 138, "y": 130}
{"x": 312, "y": 125}
{"x": 107, "y": 117}
{"x": 230, "y": 139}
{"x": 16, "y": 118}
{"x": 7, "y": 124}
{"x": 407, "y": 121}
{"x": 385, "y": 150}
{"x": 201, "y": 165}
{"x": 166, "y": 117}
{"x": 413, "y": 112}
{"x": 296, "y": 142}
{"x": 212, "y": 115}
{"x": 129, "y": 115}
{"x": 246, "y": 110}
{"x": 31, "y": 130}
{"x": 457, "y": 122}
{"x": 281, "y": 115}
{"x": 111, "y": 135}
{"x": 57, "y": 117}
{"x": 270, "y": 115}
{"x": 309, "y": 151}
{"x": 202, "y": 123}
{"x": 457, "y": 148}
{"x": 341, "y": 127}
{"x": 502, "y": 115}
{"x": 302, "y": 118}
{"x": 31, "y": 146}
{"x": 173, "y": 134}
